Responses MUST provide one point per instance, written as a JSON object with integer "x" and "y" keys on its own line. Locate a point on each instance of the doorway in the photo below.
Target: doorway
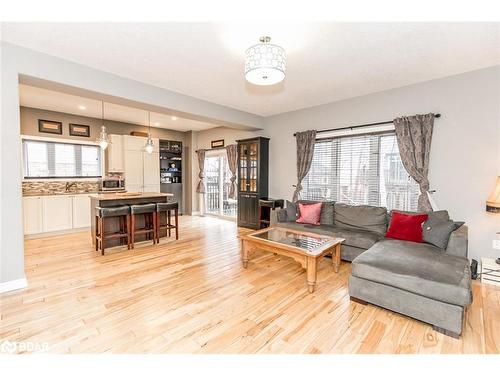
{"x": 217, "y": 176}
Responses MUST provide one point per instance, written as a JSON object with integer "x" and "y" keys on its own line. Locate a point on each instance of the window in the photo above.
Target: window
{"x": 44, "y": 159}
{"x": 361, "y": 169}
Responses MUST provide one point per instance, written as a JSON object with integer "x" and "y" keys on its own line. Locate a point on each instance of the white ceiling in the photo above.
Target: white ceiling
{"x": 35, "y": 97}
{"x": 326, "y": 61}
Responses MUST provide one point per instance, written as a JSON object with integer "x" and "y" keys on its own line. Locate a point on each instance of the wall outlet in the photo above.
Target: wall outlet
{"x": 496, "y": 244}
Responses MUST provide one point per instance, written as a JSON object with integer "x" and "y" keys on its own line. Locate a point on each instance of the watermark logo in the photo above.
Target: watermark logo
{"x": 11, "y": 347}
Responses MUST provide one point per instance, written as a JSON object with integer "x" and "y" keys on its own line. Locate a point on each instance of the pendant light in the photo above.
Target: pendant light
{"x": 149, "y": 143}
{"x": 103, "y": 139}
{"x": 265, "y": 63}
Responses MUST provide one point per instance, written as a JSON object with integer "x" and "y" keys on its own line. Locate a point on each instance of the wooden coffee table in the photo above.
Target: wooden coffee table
{"x": 304, "y": 247}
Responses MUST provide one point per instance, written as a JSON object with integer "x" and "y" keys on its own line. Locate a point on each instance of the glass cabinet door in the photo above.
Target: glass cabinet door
{"x": 252, "y": 158}
{"x": 243, "y": 172}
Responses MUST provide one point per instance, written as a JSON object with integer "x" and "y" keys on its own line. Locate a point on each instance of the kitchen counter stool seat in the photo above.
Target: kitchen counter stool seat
{"x": 123, "y": 213}
{"x": 149, "y": 229}
{"x": 168, "y": 226}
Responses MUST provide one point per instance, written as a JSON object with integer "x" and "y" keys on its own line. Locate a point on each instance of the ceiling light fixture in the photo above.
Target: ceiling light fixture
{"x": 173, "y": 118}
{"x": 103, "y": 139}
{"x": 149, "y": 143}
{"x": 82, "y": 107}
{"x": 265, "y": 63}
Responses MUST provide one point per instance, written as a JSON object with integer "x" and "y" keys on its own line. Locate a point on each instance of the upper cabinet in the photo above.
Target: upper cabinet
{"x": 115, "y": 154}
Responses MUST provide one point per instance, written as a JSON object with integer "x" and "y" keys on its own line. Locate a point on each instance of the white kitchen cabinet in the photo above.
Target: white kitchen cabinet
{"x": 134, "y": 143}
{"x": 151, "y": 188}
{"x": 80, "y": 207}
{"x": 151, "y": 168}
{"x": 57, "y": 213}
{"x": 133, "y": 168}
{"x": 142, "y": 170}
{"x": 134, "y": 188}
{"x": 32, "y": 215}
{"x": 115, "y": 153}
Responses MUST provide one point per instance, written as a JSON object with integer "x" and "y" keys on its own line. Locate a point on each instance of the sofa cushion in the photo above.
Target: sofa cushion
{"x": 361, "y": 239}
{"x": 419, "y": 268}
{"x": 406, "y": 227}
{"x": 309, "y": 213}
{"x": 438, "y": 232}
{"x": 327, "y": 211}
{"x": 292, "y": 211}
{"x": 369, "y": 218}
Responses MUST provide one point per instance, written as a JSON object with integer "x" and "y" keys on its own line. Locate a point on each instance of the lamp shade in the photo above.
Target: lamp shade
{"x": 265, "y": 63}
{"x": 493, "y": 202}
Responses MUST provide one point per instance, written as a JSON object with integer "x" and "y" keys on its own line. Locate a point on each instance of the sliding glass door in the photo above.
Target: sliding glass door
{"x": 217, "y": 177}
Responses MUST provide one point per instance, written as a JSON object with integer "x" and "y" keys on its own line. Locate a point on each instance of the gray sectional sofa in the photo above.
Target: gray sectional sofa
{"x": 419, "y": 280}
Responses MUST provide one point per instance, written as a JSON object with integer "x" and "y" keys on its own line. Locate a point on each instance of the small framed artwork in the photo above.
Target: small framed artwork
{"x": 79, "y": 130}
{"x": 52, "y": 127}
{"x": 218, "y": 143}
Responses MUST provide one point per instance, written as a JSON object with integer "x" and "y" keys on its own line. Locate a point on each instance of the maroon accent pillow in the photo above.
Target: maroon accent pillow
{"x": 309, "y": 213}
{"x": 406, "y": 227}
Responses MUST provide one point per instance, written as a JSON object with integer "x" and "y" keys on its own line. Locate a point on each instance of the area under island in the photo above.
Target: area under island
{"x": 121, "y": 199}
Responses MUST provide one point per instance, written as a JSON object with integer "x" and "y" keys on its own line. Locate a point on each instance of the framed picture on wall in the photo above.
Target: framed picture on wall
{"x": 47, "y": 126}
{"x": 79, "y": 130}
{"x": 218, "y": 143}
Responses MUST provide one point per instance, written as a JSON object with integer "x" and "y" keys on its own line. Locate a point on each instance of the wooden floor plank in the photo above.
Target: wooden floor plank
{"x": 194, "y": 296}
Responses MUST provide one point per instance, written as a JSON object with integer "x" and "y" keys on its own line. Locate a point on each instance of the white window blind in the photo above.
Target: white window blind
{"x": 361, "y": 169}
{"x": 44, "y": 159}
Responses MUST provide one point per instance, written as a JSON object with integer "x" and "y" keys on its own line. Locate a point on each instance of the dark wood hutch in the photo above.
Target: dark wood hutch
{"x": 253, "y": 179}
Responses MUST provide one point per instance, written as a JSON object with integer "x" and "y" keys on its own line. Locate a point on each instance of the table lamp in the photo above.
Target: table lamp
{"x": 493, "y": 203}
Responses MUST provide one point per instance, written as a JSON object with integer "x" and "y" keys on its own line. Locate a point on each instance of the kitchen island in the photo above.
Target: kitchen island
{"x": 121, "y": 199}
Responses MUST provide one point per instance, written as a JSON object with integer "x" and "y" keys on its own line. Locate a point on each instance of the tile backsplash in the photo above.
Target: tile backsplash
{"x": 59, "y": 187}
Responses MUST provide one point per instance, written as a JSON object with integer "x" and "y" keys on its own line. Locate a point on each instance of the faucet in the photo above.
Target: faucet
{"x": 69, "y": 185}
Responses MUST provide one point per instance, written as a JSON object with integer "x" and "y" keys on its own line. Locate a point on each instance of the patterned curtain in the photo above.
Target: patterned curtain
{"x": 232, "y": 161}
{"x": 305, "y": 151}
{"x": 414, "y": 135}
{"x": 201, "y": 164}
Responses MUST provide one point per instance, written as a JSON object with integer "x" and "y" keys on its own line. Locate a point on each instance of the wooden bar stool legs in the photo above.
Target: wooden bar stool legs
{"x": 168, "y": 208}
{"x": 149, "y": 229}
{"x": 123, "y": 233}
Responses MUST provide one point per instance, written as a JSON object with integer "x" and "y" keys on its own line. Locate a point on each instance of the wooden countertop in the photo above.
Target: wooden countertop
{"x": 118, "y": 196}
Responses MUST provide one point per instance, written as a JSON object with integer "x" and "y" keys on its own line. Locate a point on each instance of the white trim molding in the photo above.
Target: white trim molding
{"x": 13, "y": 285}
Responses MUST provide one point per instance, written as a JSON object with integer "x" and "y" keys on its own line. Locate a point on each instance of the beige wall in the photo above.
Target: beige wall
{"x": 30, "y": 117}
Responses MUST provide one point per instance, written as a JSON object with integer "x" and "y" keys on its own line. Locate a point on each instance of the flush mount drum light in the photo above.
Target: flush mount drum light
{"x": 265, "y": 63}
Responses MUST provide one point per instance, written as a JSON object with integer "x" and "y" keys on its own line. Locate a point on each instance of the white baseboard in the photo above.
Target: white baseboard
{"x": 13, "y": 285}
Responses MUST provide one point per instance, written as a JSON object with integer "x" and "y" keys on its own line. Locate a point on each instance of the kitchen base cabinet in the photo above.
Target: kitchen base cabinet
{"x": 32, "y": 215}
{"x": 81, "y": 211}
{"x": 55, "y": 213}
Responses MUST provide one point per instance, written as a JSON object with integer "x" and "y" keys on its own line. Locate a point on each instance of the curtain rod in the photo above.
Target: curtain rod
{"x": 437, "y": 115}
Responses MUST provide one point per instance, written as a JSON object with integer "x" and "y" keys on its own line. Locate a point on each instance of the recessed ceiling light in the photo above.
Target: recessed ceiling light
{"x": 157, "y": 124}
{"x": 82, "y": 107}
{"x": 174, "y": 118}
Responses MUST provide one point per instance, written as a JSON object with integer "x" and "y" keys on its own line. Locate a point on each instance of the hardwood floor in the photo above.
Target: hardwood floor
{"x": 194, "y": 296}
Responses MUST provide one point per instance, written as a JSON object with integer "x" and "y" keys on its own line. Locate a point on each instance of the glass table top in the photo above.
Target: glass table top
{"x": 285, "y": 237}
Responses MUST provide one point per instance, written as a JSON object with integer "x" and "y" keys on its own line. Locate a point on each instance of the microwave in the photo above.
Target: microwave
{"x": 111, "y": 184}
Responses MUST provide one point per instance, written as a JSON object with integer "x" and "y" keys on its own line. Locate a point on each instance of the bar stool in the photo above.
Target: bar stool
{"x": 102, "y": 213}
{"x": 168, "y": 208}
{"x": 149, "y": 212}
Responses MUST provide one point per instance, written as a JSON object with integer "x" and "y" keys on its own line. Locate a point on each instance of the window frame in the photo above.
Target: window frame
{"x": 332, "y": 136}
{"x": 63, "y": 141}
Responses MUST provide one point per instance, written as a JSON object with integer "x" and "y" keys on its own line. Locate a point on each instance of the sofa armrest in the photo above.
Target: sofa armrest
{"x": 278, "y": 216}
{"x": 458, "y": 243}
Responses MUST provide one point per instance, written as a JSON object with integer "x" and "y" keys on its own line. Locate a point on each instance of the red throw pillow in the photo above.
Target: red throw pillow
{"x": 309, "y": 213}
{"x": 406, "y": 227}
